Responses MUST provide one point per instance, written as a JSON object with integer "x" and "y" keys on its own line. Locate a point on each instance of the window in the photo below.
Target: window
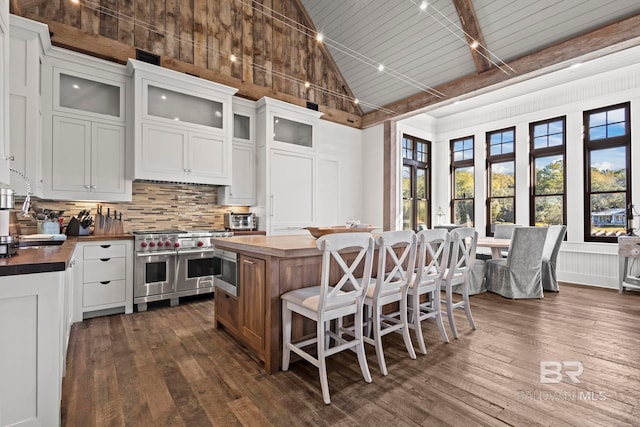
{"x": 607, "y": 143}
{"x": 463, "y": 181}
{"x": 501, "y": 202}
{"x": 547, "y": 140}
{"x": 416, "y": 183}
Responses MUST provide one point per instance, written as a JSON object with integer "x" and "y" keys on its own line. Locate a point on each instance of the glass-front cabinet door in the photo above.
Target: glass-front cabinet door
{"x": 78, "y": 93}
{"x": 292, "y": 132}
{"x": 177, "y": 106}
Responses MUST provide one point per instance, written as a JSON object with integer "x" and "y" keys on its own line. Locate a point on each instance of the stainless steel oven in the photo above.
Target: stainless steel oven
{"x": 155, "y": 275}
{"x": 195, "y": 270}
{"x": 173, "y": 263}
{"x": 226, "y": 271}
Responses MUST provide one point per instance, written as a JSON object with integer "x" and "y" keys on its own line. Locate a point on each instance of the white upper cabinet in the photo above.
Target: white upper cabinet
{"x": 5, "y": 134}
{"x": 286, "y": 167}
{"x": 29, "y": 43}
{"x": 183, "y": 127}
{"x": 242, "y": 190}
{"x": 86, "y": 139}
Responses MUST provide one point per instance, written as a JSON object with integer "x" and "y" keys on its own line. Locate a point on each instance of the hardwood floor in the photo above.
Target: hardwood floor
{"x": 170, "y": 367}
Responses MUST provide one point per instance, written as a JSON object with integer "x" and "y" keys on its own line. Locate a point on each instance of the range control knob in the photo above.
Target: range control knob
{"x": 176, "y": 245}
{"x": 200, "y": 243}
{"x": 167, "y": 243}
{"x": 143, "y": 244}
{"x": 152, "y": 244}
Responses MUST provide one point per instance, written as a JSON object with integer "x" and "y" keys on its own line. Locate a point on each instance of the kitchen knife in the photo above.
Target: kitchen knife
{"x": 99, "y": 221}
{"x": 107, "y": 227}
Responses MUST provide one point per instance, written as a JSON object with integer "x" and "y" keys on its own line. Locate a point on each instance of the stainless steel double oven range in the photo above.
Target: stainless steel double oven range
{"x": 171, "y": 264}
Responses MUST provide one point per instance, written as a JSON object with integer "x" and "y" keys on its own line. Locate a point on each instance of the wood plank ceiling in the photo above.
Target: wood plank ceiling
{"x": 420, "y": 48}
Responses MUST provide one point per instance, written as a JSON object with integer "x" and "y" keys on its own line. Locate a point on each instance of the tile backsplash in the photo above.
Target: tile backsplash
{"x": 154, "y": 206}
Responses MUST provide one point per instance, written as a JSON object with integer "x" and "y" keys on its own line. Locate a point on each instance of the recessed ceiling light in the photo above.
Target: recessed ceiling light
{"x": 163, "y": 97}
{"x": 75, "y": 1}
{"x": 355, "y": 101}
{"x": 424, "y": 5}
{"x": 76, "y": 86}
{"x": 232, "y": 58}
{"x": 177, "y": 119}
{"x": 474, "y": 44}
{"x": 380, "y": 67}
{"x": 319, "y": 37}
{"x": 307, "y": 85}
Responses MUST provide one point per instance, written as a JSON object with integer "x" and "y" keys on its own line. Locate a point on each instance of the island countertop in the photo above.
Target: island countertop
{"x": 279, "y": 246}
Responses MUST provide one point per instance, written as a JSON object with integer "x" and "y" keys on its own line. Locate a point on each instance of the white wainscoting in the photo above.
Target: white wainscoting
{"x": 587, "y": 265}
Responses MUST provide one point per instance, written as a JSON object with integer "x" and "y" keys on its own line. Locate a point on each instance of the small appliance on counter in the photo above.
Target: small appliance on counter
{"x": 9, "y": 228}
{"x": 240, "y": 221}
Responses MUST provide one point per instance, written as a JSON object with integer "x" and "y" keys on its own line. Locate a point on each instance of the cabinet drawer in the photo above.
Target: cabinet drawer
{"x": 227, "y": 310}
{"x": 99, "y": 270}
{"x": 103, "y": 251}
{"x": 100, "y": 293}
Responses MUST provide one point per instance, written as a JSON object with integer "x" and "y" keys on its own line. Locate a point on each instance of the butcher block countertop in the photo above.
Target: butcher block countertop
{"x": 278, "y": 246}
{"x": 48, "y": 258}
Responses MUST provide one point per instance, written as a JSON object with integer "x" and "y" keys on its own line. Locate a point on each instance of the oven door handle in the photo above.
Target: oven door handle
{"x": 196, "y": 251}
{"x": 159, "y": 253}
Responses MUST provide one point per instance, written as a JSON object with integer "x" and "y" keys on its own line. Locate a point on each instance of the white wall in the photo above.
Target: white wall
{"x": 373, "y": 175}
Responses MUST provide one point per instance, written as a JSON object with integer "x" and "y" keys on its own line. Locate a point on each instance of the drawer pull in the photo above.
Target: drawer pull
{"x": 104, "y": 259}
{"x": 105, "y": 283}
{"x": 105, "y": 246}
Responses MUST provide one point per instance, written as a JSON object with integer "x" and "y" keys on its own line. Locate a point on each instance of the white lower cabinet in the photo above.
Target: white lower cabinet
{"x": 107, "y": 277}
{"x": 33, "y": 351}
{"x": 88, "y": 160}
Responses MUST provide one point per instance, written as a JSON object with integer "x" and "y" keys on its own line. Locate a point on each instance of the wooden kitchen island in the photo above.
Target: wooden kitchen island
{"x": 268, "y": 266}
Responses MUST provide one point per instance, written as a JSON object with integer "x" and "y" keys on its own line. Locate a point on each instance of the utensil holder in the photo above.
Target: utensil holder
{"x": 48, "y": 227}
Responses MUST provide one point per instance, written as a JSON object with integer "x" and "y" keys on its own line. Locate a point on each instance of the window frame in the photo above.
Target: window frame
{"x": 535, "y": 153}
{"x": 599, "y": 144}
{"x": 459, "y": 164}
{"x": 416, "y": 165}
{"x": 499, "y": 158}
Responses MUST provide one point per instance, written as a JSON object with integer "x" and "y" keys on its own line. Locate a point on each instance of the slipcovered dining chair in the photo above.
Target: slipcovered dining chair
{"x": 552, "y": 244}
{"x": 519, "y": 275}
{"x": 464, "y": 241}
{"x": 500, "y": 231}
{"x": 325, "y": 302}
{"x": 396, "y": 262}
{"x": 431, "y": 263}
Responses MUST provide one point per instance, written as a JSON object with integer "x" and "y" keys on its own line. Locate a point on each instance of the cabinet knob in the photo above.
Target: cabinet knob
{"x": 93, "y": 187}
{"x": 88, "y": 187}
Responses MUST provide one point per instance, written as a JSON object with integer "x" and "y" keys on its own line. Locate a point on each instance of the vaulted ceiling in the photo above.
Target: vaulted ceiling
{"x": 430, "y": 48}
{"x": 425, "y": 51}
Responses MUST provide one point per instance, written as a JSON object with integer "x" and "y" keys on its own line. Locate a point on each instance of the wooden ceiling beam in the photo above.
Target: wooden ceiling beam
{"x": 603, "y": 41}
{"x": 473, "y": 33}
{"x": 75, "y": 39}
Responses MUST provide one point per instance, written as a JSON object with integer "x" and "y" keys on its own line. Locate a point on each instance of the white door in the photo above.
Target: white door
{"x": 71, "y": 157}
{"x": 163, "y": 153}
{"x": 243, "y": 183}
{"x": 107, "y": 158}
{"x": 4, "y": 92}
{"x": 290, "y": 204}
{"x": 207, "y": 161}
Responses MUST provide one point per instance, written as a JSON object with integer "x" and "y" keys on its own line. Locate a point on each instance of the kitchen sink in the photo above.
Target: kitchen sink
{"x": 33, "y": 244}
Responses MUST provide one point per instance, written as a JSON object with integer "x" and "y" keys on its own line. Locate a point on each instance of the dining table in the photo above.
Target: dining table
{"x": 496, "y": 245}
